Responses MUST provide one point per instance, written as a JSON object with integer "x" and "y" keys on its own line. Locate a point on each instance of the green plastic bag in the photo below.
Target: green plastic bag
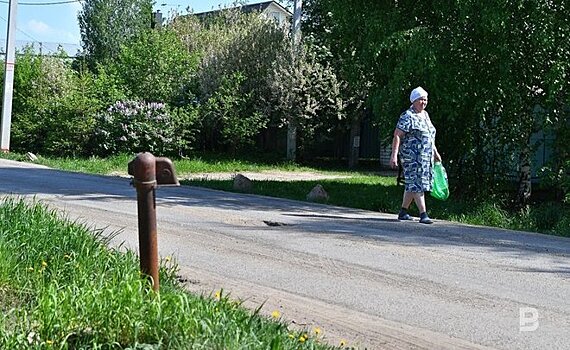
{"x": 440, "y": 188}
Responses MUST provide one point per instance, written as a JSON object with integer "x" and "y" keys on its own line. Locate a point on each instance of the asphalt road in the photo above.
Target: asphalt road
{"x": 359, "y": 276}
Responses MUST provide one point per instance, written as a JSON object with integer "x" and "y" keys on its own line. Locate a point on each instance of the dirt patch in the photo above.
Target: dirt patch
{"x": 265, "y": 176}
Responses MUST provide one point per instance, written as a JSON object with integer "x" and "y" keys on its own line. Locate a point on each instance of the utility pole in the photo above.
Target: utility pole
{"x": 9, "y": 76}
{"x": 296, "y": 37}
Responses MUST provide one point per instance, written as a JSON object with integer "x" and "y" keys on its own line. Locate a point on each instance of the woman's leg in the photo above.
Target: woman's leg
{"x": 407, "y": 200}
{"x": 420, "y": 200}
{"x": 421, "y": 203}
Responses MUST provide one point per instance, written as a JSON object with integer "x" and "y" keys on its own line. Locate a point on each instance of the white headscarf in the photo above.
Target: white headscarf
{"x": 417, "y": 93}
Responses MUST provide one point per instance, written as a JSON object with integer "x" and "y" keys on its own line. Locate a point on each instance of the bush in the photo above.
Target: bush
{"x": 227, "y": 112}
{"x": 138, "y": 126}
{"x": 54, "y": 105}
{"x": 155, "y": 66}
{"x": 562, "y": 228}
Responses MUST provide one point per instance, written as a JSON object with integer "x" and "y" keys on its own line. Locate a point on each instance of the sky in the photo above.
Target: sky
{"x": 53, "y": 22}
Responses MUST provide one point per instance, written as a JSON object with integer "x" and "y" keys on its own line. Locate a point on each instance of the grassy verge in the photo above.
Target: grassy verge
{"x": 118, "y": 164}
{"x": 62, "y": 288}
{"x": 359, "y": 190}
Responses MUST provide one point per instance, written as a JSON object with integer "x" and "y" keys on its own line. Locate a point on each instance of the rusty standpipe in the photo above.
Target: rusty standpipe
{"x": 148, "y": 172}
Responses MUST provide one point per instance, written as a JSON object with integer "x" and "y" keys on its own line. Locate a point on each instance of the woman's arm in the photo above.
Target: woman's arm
{"x": 398, "y": 134}
{"x": 436, "y": 155}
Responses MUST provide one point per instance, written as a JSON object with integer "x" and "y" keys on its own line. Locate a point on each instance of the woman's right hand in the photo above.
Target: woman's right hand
{"x": 393, "y": 162}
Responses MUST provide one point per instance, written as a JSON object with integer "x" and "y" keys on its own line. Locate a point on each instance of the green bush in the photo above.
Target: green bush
{"x": 227, "y": 113}
{"x": 155, "y": 66}
{"x": 54, "y": 105}
{"x": 562, "y": 228}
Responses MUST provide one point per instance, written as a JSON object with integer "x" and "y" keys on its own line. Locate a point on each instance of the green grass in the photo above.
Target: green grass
{"x": 62, "y": 288}
{"x": 118, "y": 164}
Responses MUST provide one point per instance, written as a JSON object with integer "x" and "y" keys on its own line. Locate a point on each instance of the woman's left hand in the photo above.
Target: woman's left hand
{"x": 437, "y": 157}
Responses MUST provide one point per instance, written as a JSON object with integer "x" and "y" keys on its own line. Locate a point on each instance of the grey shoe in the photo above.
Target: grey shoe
{"x": 426, "y": 220}
{"x": 404, "y": 217}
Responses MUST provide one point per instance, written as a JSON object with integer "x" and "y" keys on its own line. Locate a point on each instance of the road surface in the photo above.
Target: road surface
{"x": 359, "y": 276}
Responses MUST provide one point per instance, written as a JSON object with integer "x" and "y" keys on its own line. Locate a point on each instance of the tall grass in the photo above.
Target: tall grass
{"x": 62, "y": 288}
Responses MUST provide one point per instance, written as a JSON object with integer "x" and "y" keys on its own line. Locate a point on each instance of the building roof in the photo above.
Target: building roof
{"x": 262, "y": 6}
{"x": 259, "y": 7}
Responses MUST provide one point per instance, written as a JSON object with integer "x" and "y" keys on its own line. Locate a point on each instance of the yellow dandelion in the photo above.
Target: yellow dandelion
{"x": 44, "y": 264}
{"x": 291, "y": 335}
{"x": 49, "y": 342}
{"x": 168, "y": 258}
{"x": 303, "y": 338}
{"x": 317, "y": 330}
{"x": 218, "y": 295}
{"x": 276, "y": 314}
{"x": 31, "y": 269}
{"x": 342, "y": 342}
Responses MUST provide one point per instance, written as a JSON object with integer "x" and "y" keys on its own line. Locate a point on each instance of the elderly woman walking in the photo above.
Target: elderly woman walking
{"x": 414, "y": 140}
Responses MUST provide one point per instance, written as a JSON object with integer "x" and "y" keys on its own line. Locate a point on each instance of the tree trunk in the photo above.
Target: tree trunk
{"x": 525, "y": 177}
{"x": 291, "y": 142}
{"x": 354, "y": 147}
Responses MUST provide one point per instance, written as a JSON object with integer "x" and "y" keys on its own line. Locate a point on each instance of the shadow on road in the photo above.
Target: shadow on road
{"x": 295, "y": 215}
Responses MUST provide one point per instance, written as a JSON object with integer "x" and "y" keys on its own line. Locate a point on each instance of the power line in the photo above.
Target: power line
{"x": 21, "y": 31}
{"x": 44, "y": 3}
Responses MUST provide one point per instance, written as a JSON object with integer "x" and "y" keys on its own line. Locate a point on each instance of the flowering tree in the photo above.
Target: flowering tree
{"x": 135, "y": 126}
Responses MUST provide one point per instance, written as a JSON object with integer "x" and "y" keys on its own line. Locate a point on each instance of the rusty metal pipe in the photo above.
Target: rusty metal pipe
{"x": 143, "y": 169}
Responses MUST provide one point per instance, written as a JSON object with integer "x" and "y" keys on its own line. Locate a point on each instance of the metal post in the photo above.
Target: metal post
{"x": 297, "y": 13}
{"x": 9, "y": 77}
{"x": 296, "y": 37}
{"x": 143, "y": 168}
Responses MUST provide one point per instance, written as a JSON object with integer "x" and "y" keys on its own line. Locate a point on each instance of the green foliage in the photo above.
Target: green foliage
{"x": 29, "y": 99}
{"x": 53, "y": 111}
{"x": 133, "y": 126}
{"x": 155, "y": 66}
{"x": 341, "y": 33}
{"x": 557, "y": 178}
{"x": 107, "y": 25}
{"x": 227, "y": 112}
{"x": 487, "y": 99}
{"x": 235, "y": 49}
{"x": 239, "y": 42}
{"x": 556, "y": 174}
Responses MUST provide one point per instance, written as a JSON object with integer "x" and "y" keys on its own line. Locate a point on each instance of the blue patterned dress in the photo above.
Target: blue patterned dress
{"x": 416, "y": 150}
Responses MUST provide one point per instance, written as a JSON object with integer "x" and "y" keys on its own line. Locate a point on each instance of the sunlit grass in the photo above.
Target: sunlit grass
{"x": 184, "y": 166}
{"x": 61, "y": 287}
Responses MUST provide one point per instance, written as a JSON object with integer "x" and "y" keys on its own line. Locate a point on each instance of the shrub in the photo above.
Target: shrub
{"x": 228, "y": 113}
{"x": 54, "y": 105}
{"x": 563, "y": 227}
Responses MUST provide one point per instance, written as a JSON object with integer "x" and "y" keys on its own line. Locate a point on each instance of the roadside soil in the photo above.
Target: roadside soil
{"x": 264, "y": 176}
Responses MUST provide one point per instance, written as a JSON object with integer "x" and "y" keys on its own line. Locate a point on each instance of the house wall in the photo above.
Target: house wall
{"x": 275, "y": 12}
